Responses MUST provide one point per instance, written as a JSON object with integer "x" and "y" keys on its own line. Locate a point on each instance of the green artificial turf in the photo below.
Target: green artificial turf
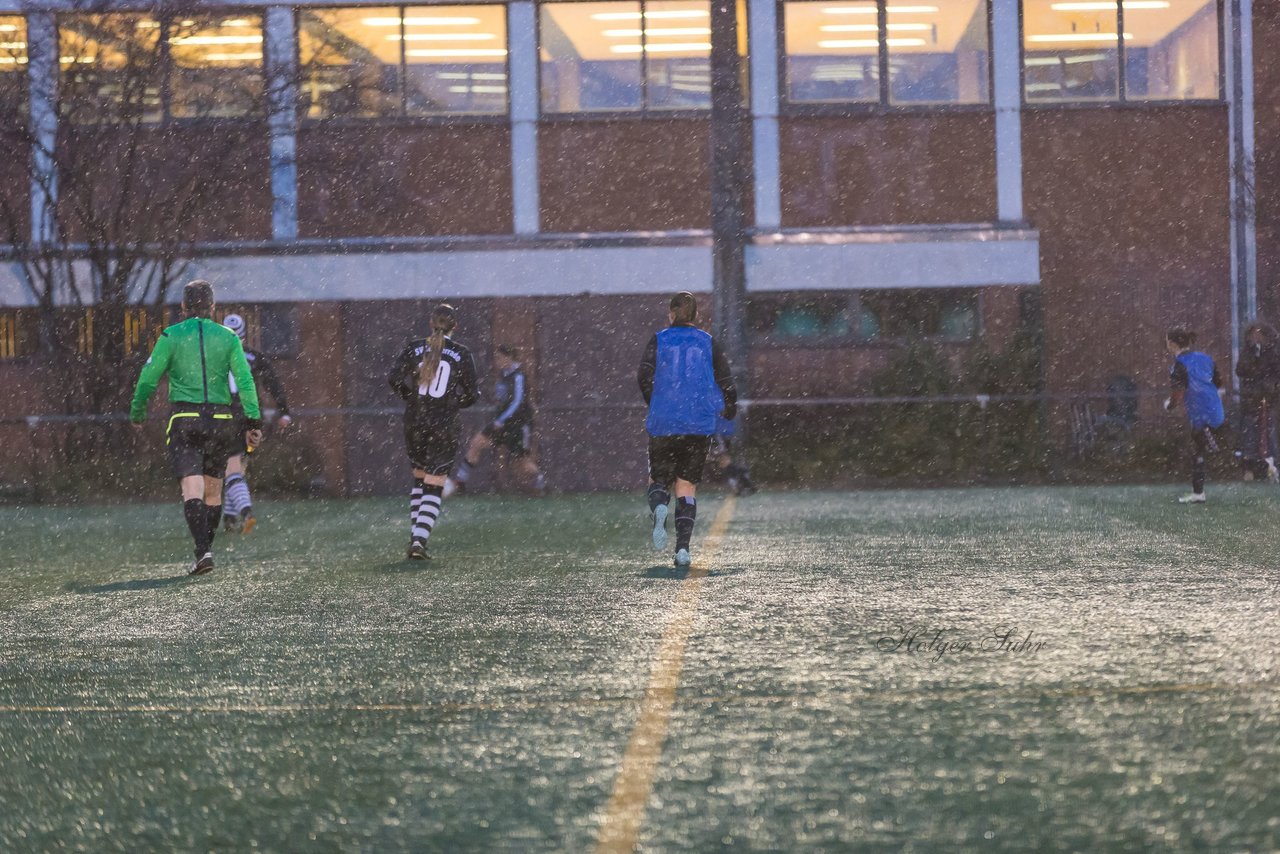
{"x": 317, "y": 692}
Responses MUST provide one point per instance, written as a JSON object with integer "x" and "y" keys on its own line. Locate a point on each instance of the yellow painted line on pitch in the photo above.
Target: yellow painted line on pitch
{"x": 625, "y": 810}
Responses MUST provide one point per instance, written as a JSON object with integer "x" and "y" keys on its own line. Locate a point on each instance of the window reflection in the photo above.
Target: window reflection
{"x": 935, "y": 52}
{"x": 392, "y": 60}
{"x": 1073, "y": 48}
{"x": 138, "y": 67}
{"x": 599, "y": 56}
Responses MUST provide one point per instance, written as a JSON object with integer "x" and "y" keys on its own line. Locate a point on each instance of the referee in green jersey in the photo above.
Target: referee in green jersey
{"x": 198, "y": 355}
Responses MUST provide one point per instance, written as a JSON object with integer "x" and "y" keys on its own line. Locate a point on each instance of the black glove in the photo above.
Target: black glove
{"x": 730, "y": 412}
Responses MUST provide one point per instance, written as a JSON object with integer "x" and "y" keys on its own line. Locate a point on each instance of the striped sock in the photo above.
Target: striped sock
{"x": 415, "y": 499}
{"x": 238, "y": 493}
{"x": 229, "y": 506}
{"x": 428, "y": 512}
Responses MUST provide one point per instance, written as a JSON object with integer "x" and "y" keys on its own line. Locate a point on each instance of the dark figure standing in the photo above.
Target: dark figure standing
{"x": 1259, "y": 374}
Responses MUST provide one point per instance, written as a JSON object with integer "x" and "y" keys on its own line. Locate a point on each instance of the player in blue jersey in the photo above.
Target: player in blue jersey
{"x": 1196, "y": 384}
{"x": 688, "y": 384}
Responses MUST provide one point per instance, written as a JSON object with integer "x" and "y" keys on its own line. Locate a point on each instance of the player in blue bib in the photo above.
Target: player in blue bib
{"x": 1195, "y": 383}
{"x": 688, "y": 384}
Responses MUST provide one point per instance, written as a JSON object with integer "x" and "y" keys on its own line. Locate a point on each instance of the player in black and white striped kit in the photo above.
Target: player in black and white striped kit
{"x": 436, "y": 378}
{"x": 237, "y": 503}
{"x": 511, "y": 427}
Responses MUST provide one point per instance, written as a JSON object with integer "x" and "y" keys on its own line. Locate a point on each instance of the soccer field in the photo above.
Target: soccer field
{"x": 839, "y": 671}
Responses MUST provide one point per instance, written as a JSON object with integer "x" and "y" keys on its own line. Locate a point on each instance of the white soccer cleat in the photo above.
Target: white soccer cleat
{"x": 450, "y": 487}
{"x": 1273, "y": 474}
{"x": 660, "y": 527}
{"x": 1193, "y": 498}
{"x": 683, "y": 559}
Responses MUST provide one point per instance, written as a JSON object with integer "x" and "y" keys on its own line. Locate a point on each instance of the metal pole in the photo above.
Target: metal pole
{"x": 1244, "y": 235}
{"x": 729, "y": 189}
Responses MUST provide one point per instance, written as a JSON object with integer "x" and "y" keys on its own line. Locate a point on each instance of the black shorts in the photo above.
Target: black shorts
{"x": 432, "y": 447}
{"x": 514, "y": 438}
{"x": 201, "y": 437}
{"x": 672, "y": 457}
{"x": 240, "y": 445}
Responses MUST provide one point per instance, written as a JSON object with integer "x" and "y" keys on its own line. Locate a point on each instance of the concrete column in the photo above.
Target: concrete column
{"x": 281, "y": 58}
{"x": 1006, "y": 54}
{"x": 762, "y": 26}
{"x": 42, "y": 78}
{"x": 522, "y": 90}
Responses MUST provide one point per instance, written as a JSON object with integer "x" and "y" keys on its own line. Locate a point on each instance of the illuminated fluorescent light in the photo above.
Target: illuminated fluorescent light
{"x": 653, "y": 16}
{"x": 871, "y": 28}
{"x": 479, "y": 90}
{"x": 237, "y": 22}
{"x": 1077, "y": 37}
{"x": 13, "y": 60}
{"x": 462, "y": 52}
{"x": 838, "y": 43}
{"x": 675, "y": 47}
{"x": 1103, "y": 6}
{"x": 8, "y": 28}
{"x": 147, "y": 25}
{"x": 871, "y": 10}
{"x": 441, "y": 37}
{"x": 212, "y": 40}
{"x": 1035, "y": 61}
{"x": 232, "y": 57}
{"x": 13, "y": 45}
{"x": 420, "y": 22}
{"x": 463, "y": 75}
{"x": 659, "y": 31}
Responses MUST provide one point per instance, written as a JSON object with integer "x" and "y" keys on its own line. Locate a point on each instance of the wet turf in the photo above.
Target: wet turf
{"x": 317, "y": 692}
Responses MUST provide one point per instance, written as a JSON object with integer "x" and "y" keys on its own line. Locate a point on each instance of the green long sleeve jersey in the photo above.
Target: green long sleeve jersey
{"x": 197, "y": 354}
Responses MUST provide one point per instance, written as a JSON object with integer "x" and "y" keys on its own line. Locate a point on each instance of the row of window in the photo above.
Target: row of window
{"x": 269, "y": 328}
{"x": 624, "y": 55}
{"x": 851, "y": 317}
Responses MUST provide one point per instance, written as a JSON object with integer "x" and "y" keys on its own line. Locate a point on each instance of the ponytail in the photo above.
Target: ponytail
{"x": 443, "y": 320}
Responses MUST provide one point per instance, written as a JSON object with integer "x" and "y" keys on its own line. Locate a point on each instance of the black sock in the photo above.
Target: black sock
{"x": 214, "y": 513}
{"x": 686, "y": 513}
{"x": 658, "y": 495}
{"x": 198, "y": 522}
{"x": 1197, "y": 474}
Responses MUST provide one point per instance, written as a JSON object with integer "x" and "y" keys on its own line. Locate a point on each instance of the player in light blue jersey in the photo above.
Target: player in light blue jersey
{"x": 688, "y": 384}
{"x": 1196, "y": 384}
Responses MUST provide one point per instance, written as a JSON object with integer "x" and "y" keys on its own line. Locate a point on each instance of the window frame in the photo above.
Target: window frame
{"x": 644, "y": 111}
{"x": 1122, "y": 101}
{"x": 885, "y": 106}
{"x": 167, "y": 119}
{"x": 402, "y": 117}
